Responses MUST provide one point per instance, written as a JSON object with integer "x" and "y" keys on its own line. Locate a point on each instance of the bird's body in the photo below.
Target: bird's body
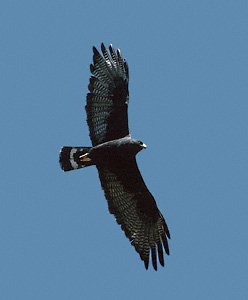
{"x": 113, "y": 152}
{"x": 110, "y": 153}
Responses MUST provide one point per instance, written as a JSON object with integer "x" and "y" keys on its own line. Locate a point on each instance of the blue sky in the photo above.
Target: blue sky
{"x": 188, "y": 102}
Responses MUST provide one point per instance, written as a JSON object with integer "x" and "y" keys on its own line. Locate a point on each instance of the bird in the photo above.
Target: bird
{"x": 113, "y": 152}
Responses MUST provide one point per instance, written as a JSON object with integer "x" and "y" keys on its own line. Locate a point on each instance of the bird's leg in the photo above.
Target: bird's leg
{"x": 85, "y": 157}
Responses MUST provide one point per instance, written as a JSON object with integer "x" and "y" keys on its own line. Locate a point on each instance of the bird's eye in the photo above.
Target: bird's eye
{"x": 140, "y": 143}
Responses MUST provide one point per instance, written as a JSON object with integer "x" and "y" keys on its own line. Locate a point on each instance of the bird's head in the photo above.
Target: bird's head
{"x": 138, "y": 145}
{"x": 129, "y": 147}
{"x": 142, "y": 145}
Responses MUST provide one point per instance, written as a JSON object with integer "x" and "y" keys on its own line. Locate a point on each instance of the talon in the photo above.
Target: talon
{"x": 85, "y": 157}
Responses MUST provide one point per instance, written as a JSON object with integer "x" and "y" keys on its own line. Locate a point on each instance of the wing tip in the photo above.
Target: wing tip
{"x": 146, "y": 262}
{"x": 95, "y": 51}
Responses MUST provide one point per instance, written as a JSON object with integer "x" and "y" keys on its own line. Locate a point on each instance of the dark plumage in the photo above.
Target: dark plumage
{"x": 113, "y": 153}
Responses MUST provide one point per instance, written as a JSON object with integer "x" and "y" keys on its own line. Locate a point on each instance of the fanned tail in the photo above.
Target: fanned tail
{"x": 69, "y": 158}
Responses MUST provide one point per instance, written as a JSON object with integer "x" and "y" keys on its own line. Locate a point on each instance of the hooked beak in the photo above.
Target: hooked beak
{"x": 144, "y": 146}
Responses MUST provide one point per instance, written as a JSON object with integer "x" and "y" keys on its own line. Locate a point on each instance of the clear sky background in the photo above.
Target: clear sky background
{"x": 188, "y": 65}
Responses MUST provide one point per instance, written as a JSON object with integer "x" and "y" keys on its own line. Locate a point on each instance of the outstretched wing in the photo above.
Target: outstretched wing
{"x": 107, "y": 102}
{"x": 135, "y": 210}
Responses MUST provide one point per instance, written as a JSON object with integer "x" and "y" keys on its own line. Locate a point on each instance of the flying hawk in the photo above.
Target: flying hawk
{"x": 113, "y": 152}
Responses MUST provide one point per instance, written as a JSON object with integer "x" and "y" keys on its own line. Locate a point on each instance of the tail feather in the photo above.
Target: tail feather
{"x": 69, "y": 158}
